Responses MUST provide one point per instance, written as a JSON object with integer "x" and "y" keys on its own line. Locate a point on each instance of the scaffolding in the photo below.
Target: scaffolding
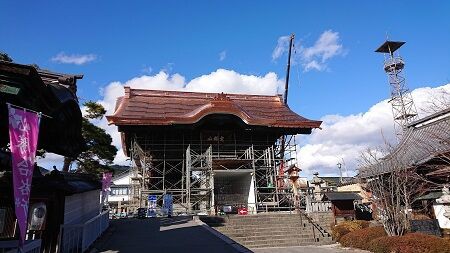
{"x": 185, "y": 167}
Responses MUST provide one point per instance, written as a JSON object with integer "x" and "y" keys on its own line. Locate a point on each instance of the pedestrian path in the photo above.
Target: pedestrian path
{"x": 179, "y": 234}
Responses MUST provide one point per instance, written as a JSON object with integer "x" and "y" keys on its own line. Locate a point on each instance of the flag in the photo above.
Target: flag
{"x": 23, "y": 134}
{"x": 106, "y": 181}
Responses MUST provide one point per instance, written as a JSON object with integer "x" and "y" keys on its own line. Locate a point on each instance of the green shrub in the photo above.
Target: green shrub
{"x": 345, "y": 227}
{"x": 410, "y": 243}
{"x": 361, "y": 238}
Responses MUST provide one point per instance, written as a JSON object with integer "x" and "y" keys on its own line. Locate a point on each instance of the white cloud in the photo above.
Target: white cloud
{"x": 77, "y": 59}
{"x": 51, "y": 160}
{"x": 281, "y": 48}
{"x": 325, "y": 48}
{"x": 221, "y": 80}
{"x": 147, "y": 69}
{"x": 315, "y": 57}
{"x": 222, "y": 55}
{"x": 313, "y": 65}
{"x": 347, "y": 136}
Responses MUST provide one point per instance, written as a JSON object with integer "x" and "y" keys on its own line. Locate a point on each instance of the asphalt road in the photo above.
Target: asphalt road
{"x": 180, "y": 234}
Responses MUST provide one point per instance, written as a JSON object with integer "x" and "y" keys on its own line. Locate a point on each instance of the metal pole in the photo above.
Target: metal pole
{"x": 285, "y": 101}
{"x": 288, "y": 69}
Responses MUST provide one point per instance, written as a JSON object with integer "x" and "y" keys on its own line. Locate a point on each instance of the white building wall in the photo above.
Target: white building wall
{"x": 123, "y": 181}
{"x": 439, "y": 210}
{"x": 81, "y": 207}
{"x": 251, "y": 202}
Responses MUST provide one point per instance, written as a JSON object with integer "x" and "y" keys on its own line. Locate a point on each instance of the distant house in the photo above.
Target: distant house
{"x": 355, "y": 187}
{"x": 343, "y": 204}
{"x": 326, "y": 184}
{"x": 119, "y": 195}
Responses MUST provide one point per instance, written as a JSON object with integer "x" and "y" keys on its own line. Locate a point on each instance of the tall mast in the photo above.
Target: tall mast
{"x": 280, "y": 180}
{"x": 288, "y": 70}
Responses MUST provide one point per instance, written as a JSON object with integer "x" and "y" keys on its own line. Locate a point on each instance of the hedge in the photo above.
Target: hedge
{"x": 361, "y": 238}
{"x": 410, "y": 243}
{"x": 346, "y": 227}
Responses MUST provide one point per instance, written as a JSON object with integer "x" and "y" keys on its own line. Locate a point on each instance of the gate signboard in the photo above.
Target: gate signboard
{"x": 151, "y": 211}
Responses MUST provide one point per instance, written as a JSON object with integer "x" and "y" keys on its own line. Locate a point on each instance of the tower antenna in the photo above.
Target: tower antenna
{"x": 403, "y": 109}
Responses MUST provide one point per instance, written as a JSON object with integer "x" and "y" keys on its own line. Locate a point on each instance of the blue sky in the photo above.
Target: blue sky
{"x": 124, "y": 40}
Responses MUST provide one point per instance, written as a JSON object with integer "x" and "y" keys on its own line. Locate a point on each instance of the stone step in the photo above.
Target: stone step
{"x": 274, "y": 230}
{"x": 293, "y": 217}
{"x": 266, "y": 237}
{"x": 264, "y": 231}
{"x": 278, "y": 243}
{"x": 267, "y": 231}
{"x": 265, "y": 225}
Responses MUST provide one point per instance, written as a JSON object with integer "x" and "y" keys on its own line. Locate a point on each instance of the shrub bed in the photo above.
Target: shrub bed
{"x": 410, "y": 243}
{"x": 361, "y": 238}
{"x": 346, "y": 227}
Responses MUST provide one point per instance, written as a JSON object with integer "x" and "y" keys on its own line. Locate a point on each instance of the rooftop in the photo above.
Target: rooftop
{"x": 389, "y": 46}
{"x": 154, "y": 107}
{"x": 341, "y": 196}
{"x": 424, "y": 140}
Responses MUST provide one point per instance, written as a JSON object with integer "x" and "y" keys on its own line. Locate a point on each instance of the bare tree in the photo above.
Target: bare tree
{"x": 393, "y": 187}
{"x": 420, "y": 163}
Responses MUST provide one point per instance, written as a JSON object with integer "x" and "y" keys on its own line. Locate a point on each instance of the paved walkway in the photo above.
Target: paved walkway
{"x": 180, "y": 234}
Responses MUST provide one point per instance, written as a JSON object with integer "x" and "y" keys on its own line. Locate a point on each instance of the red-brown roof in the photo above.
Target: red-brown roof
{"x": 155, "y": 107}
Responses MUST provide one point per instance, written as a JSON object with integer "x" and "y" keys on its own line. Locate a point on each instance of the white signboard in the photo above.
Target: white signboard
{"x": 151, "y": 211}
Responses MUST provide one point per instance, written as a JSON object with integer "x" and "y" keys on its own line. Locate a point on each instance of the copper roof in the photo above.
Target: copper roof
{"x": 154, "y": 107}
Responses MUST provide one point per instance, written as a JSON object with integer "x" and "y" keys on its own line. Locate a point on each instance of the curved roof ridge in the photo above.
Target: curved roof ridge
{"x": 176, "y": 93}
{"x": 159, "y": 107}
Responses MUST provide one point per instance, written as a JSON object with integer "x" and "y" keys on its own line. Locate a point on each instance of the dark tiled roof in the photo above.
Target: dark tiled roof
{"x": 341, "y": 196}
{"x": 51, "y": 93}
{"x": 423, "y": 140}
{"x": 336, "y": 181}
{"x": 152, "y": 107}
{"x": 56, "y": 181}
{"x": 430, "y": 196}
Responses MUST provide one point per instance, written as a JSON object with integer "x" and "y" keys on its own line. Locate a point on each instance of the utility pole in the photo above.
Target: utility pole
{"x": 340, "y": 171}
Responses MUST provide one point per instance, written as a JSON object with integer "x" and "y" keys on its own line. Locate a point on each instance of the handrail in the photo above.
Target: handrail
{"x": 30, "y": 246}
{"x": 314, "y": 224}
{"x": 78, "y": 237}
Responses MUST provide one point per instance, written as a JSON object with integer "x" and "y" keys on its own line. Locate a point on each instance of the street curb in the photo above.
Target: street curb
{"x": 222, "y": 237}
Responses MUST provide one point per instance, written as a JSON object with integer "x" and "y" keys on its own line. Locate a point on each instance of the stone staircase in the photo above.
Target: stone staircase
{"x": 270, "y": 230}
{"x": 324, "y": 219}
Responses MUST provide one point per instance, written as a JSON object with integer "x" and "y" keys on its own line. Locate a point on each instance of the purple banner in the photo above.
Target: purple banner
{"x": 106, "y": 183}
{"x": 106, "y": 180}
{"x": 23, "y": 134}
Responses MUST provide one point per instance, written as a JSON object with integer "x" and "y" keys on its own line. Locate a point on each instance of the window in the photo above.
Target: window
{"x": 119, "y": 191}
